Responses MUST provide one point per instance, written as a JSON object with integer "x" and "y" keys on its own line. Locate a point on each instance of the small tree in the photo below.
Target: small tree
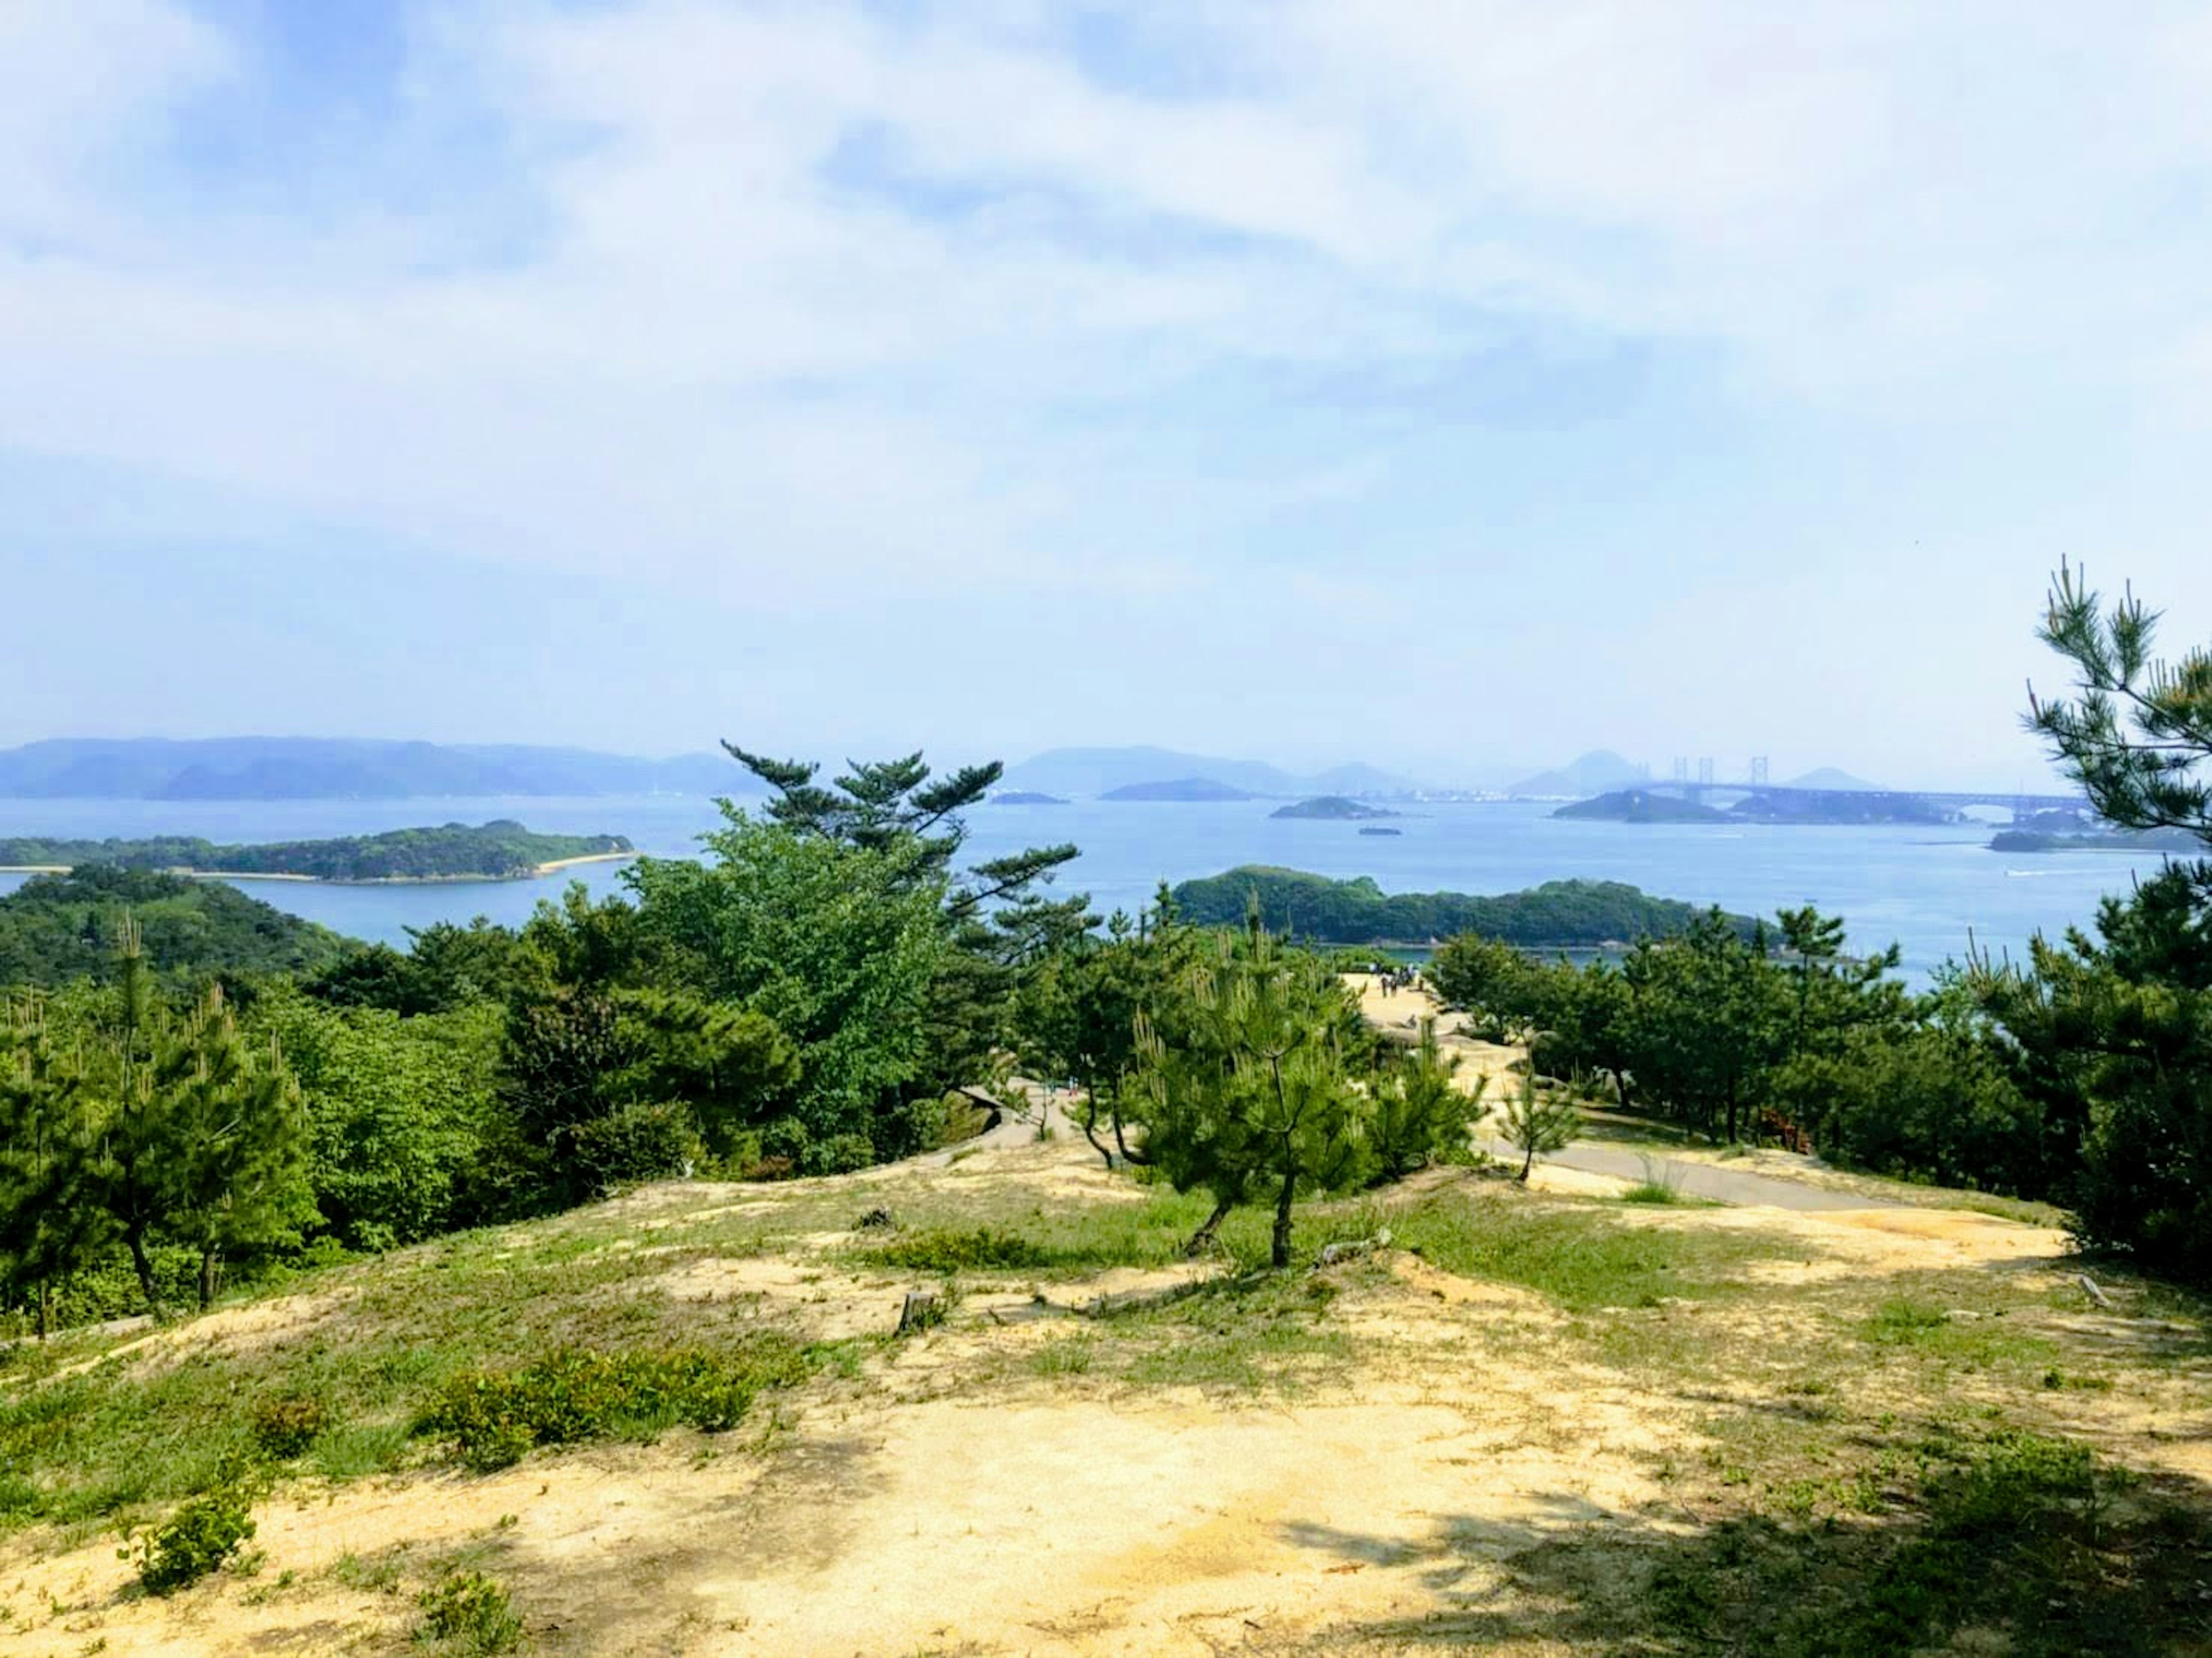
{"x": 1420, "y": 1111}
{"x": 1536, "y": 1123}
{"x": 1252, "y": 1096}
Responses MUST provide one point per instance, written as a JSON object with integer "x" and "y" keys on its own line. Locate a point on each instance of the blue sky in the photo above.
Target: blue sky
{"x": 1453, "y": 387}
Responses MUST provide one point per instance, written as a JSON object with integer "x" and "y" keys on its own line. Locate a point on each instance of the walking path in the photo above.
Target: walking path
{"x": 1697, "y": 1180}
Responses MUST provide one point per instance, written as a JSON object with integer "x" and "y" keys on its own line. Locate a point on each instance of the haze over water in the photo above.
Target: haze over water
{"x": 1927, "y": 890}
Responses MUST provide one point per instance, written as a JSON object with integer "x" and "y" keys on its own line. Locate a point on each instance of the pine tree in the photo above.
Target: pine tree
{"x": 234, "y": 1155}
{"x": 1253, "y": 1093}
{"x": 50, "y": 1225}
{"x": 1535, "y": 1123}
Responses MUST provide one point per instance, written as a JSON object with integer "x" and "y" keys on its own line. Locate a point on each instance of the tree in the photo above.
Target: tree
{"x": 2139, "y": 731}
{"x": 1537, "y": 1122}
{"x": 1076, "y": 1016}
{"x": 997, "y": 919}
{"x": 234, "y": 1151}
{"x": 1253, "y": 1093}
{"x": 1420, "y": 1112}
{"x": 49, "y": 1225}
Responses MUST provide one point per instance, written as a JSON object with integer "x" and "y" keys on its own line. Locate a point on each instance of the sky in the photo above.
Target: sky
{"x": 1450, "y": 387}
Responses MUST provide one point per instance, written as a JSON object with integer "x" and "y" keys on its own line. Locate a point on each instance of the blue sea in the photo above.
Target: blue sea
{"x": 1930, "y": 890}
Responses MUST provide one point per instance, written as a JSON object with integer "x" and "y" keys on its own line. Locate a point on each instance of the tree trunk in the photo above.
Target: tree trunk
{"x": 1279, "y": 1255}
{"x": 135, "y": 1237}
{"x": 1527, "y": 1162}
{"x": 1202, "y": 1239}
{"x": 207, "y": 1279}
{"x": 1090, "y": 1133}
{"x": 45, "y": 1304}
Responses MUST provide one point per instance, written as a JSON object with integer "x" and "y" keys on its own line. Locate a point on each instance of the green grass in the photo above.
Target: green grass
{"x": 1576, "y": 1253}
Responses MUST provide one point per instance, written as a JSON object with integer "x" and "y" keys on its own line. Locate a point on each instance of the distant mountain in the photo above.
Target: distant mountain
{"x": 1183, "y": 789}
{"x": 1092, "y": 773}
{"x": 1024, "y": 798}
{"x": 1641, "y": 806}
{"x": 320, "y": 768}
{"x": 1827, "y": 777}
{"x": 1594, "y": 773}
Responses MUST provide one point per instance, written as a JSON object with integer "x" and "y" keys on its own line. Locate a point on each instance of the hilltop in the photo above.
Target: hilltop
{"x": 1521, "y": 1420}
{"x": 1589, "y": 773}
{"x": 56, "y": 928}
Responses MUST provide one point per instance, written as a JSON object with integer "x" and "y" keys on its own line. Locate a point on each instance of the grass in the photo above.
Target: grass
{"x": 1576, "y": 1253}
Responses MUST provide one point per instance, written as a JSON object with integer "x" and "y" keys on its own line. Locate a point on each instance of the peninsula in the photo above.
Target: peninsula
{"x": 502, "y": 850}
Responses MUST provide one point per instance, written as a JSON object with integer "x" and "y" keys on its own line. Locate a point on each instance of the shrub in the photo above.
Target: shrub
{"x": 284, "y": 1426}
{"x": 984, "y": 1249}
{"x": 199, "y": 1538}
{"x": 494, "y": 1419}
{"x": 632, "y": 1144}
{"x": 840, "y": 1154}
{"x": 466, "y": 1611}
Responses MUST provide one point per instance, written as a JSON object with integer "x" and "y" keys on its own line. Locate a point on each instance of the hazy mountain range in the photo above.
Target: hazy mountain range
{"x": 1601, "y": 771}
{"x": 324, "y": 768}
{"x": 1091, "y": 772}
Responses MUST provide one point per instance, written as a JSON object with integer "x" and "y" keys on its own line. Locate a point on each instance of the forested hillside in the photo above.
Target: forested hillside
{"x": 1568, "y": 914}
{"x": 500, "y": 850}
{"x": 57, "y": 928}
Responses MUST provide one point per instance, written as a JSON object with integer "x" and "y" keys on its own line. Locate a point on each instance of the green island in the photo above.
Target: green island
{"x": 1566, "y": 914}
{"x": 502, "y": 850}
{"x": 1641, "y": 806}
{"x": 2020, "y": 839}
{"x": 1333, "y": 808}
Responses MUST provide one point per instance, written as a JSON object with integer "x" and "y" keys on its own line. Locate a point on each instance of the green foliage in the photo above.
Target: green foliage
{"x": 58, "y": 928}
{"x": 492, "y": 851}
{"x": 51, "y": 1229}
{"x": 404, "y": 1112}
{"x": 1536, "y": 1122}
{"x": 445, "y": 967}
{"x": 983, "y": 1248}
{"x": 285, "y": 1425}
{"x": 494, "y": 1419}
{"x": 1418, "y": 1114}
{"x": 2139, "y": 734}
{"x": 470, "y": 1615}
{"x": 2113, "y": 1038}
{"x": 1249, "y": 1090}
{"x": 1566, "y": 914}
{"x": 628, "y": 1145}
{"x": 202, "y": 1534}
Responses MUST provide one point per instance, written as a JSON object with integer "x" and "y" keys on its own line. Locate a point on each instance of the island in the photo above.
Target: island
{"x": 2157, "y": 840}
{"x": 1335, "y": 808}
{"x": 1562, "y": 915}
{"x": 1641, "y": 806}
{"x": 1812, "y": 807}
{"x": 502, "y": 850}
{"x": 1182, "y": 790}
{"x": 1025, "y": 798}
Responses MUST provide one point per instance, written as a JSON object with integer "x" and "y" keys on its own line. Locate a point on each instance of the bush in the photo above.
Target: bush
{"x": 984, "y": 1249}
{"x": 495, "y": 1418}
{"x": 632, "y": 1144}
{"x": 466, "y": 1611}
{"x": 840, "y": 1154}
{"x": 199, "y": 1538}
{"x": 284, "y": 1426}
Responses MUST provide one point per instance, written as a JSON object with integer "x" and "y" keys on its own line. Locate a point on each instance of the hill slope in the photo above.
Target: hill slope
{"x": 1589, "y": 773}
{"x": 56, "y": 928}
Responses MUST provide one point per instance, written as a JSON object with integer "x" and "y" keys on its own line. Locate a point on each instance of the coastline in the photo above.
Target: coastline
{"x": 536, "y": 872}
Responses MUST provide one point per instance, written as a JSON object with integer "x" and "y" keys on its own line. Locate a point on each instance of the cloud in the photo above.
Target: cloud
{"x": 805, "y": 305}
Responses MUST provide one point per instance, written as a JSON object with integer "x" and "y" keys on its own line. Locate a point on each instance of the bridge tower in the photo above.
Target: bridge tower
{"x": 1758, "y": 771}
{"x": 1706, "y": 769}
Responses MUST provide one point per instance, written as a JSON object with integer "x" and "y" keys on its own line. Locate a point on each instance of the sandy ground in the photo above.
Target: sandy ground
{"x": 921, "y": 1516}
{"x": 920, "y": 1513}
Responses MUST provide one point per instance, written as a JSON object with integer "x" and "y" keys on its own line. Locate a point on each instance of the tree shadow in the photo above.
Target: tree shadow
{"x": 2024, "y": 1548}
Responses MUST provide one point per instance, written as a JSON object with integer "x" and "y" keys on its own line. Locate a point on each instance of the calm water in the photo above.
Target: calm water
{"x": 1924, "y": 888}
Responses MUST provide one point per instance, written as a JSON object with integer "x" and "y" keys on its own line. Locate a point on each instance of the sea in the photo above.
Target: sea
{"x": 1934, "y": 892}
